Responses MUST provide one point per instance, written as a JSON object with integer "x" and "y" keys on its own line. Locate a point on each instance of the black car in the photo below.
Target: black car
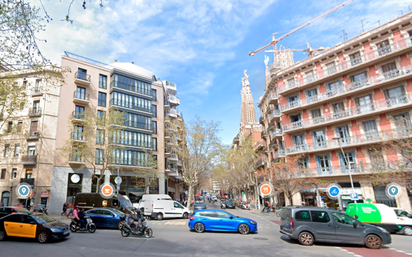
{"x": 199, "y": 205}
{"x": 230, "y": 204}
{"x": 4, "y": 211}
{"x": 39, "y": 226}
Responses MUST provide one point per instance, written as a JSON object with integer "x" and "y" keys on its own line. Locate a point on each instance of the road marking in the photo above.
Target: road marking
{"x": 175, "y": 223}
{"x": 400, "y": 251}
{"x": 348, "y": 252}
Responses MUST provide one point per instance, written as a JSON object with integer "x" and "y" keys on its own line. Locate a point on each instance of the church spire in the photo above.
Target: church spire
{"x": 248, "y": 113}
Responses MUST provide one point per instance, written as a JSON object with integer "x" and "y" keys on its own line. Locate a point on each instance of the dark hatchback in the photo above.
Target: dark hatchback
{"x": 4, "y": 211}
{"x": 230, "y": 204}
{"x": 106, "y": 217}
{"x": 37, "y": 226}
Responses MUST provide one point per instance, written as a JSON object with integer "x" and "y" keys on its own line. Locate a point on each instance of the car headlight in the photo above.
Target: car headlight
{"x": 55, "y": 230}
{"x": 252, "y": 222}
{"x": 383, "y": 230}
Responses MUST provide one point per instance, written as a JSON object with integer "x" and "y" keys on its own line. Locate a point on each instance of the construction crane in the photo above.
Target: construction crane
{"x": 309, "y": 50}
{"x": 274, "y": 41}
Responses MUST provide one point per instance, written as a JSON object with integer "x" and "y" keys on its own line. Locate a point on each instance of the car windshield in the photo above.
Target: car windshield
{"x": 41, "y": 219}
{"x": 21, "y": 210}
{"x": 229, "y": 202}
{"x": 403, "y": 213}
{"x": 124, "y": 201}
{"x": 200, "y": 204}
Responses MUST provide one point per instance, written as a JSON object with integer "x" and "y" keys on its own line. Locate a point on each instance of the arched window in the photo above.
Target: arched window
{"x": 5, "y": 198}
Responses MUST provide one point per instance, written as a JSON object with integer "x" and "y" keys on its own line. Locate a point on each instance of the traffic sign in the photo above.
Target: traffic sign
{"x": 106, "y": 190}
{"x": 266, "y": 189}
{"x": 118, "y": 180}
{"x": 334, "y": 190}
{"x": 392, "y": 190}
{"x": 23, "y": 190}
{"x": 354, "y": 196}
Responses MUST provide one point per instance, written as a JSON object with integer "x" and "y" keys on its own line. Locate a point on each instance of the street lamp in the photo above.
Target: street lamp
{"x": 347, "y": 163}
{"x": 11, "y": 193}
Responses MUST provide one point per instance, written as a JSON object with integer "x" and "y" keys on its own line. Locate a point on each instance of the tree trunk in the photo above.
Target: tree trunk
{"x": 290, "y": 199}
{"x": 99, "y": 179}
{"x": 189, "y": 197}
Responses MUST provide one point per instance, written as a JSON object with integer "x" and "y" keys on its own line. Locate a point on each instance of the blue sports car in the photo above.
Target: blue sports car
{"x": 218, "y": 220}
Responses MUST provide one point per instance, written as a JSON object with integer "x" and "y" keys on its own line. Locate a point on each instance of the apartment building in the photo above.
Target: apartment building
{"x": 29, "y": 135}
{"x": 92, "y": 86}
{"x": 336, "y": 108}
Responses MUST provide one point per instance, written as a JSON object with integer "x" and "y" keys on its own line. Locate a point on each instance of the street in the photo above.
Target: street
{"x": 173, "y": 238}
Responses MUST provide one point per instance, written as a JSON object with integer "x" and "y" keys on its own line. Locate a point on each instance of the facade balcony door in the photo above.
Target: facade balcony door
{"x": 343, "y": 133}
{"x": 323, "y": 165}
{"x": 319, "y": 139}
{"x": 347, "y": 162}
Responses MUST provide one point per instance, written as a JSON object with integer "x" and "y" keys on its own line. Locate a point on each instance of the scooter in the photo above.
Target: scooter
{"x": 128, "y": 229}
{"x": 246, "y": 206}
{"x": 90, "y": 226}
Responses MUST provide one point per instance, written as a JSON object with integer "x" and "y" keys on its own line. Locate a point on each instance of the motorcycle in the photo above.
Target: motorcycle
{"x": 128, "y": 229}
{"x": 245, "y": 206}
{"x": 222, "y": 205}
{"x": 90, "y": 226}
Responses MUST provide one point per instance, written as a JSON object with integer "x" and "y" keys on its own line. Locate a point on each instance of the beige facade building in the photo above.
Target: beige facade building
{"x": 337, "y": 107}
{"x": 29, "y": 138}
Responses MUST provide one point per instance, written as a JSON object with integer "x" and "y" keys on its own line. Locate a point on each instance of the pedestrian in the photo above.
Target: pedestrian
{"x": 266, "y": 208}
{"x": 64, "y": 210}
{"x": 2, "y": 204}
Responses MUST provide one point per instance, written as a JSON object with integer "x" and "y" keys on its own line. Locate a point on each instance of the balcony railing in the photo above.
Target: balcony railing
{"x": 173, "y": 99}
{"x": 29, "y": 181}
{"x": 276, "y": 133}
{"x": 273, "y": 97}
{"x": 274, "y": 114}
{"x": 173, "y": 112}
{"x": 78, "y": 137}
{"x": 280, "y": 153}
{"x": 172, "y": 157}
{"x": 33, "y": 135}
{"x": 36, "y": 91}
{"x": 368, "y": 138}
{"x": 76, "y": 159}
{"x": 364, "y": 58}
{"x": 29, "y": 159}
{"x": 81, "y": 96}
{"x": 259, "y": 163}
{"x": 82, "y": 78}
{"x": 77, "y": 115}
{"x": 379, "y": 106}
{"x": 349, "y": 88}
{"x": 35, "y": 112}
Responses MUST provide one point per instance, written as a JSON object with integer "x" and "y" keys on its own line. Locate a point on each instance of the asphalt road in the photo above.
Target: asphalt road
{"x": 173, "y": 238}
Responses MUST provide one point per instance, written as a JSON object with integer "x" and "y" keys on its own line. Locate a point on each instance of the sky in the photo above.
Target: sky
{"x": 203, "y": 46}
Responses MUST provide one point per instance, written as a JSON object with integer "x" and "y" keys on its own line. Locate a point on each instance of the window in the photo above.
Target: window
{"x": 131, "y": 84}
{"x": 154, "y": 110}
{"x": 291, "y": 83}
{"x": 402, "y": 122}
{"x": 384, "y": 47}
{"x": 99, "y": 156}
{"x": 10, "y": 127}
{"x": 31, "y": 150}
{"x": 317, "y": 116}
{"x": 29, "y": 174}
{"x": 390, "y": 71}
{"x": 79, "y": 112}
{"x": 3, "y": 174}
{"x": 319, "y": 139}
{"x": 102, "y": 81}
{"x": 129, "y": 101}
{"x": 347, "y": 162}
{"x": 312, "y": 95}
{"x": 36, "y": 107}
{"x": 364, "y": 104}
{"x": 154, "y": 126}
{"x": 102, "y": 99}
{"x": 6, "y": 150}
{"x": 76, "y": 155}
{"x": 376, "y": 158}
{"x": 323, "y": 164}
{"x": 310, "y": 76}
{"x": 100, "y": 135}
{"x": 154, "y": 94}
{"x": 343, "y": 133}
{"x": 355, "y": 59}
{"x": 395, "y": 96}
{"x": 331, "y": 68}
{"x": 101, "y": 117}
{"x": 154, "y": 144}
{"x": 78, "y": 132}
{"x": 320, "y": 216}
{"x": 81, "y": 93}
{"x": 302, "y": 215}
{"x": 334, "y": 88}
{"x": 299, "y": 141}
{"x": 358, "y": 80}
{"x": 303, "y": 163}
{"x": 19, "y": 126}
{"x": 343, "y": 219}
{"x": 16, "y": 150}
{"x": 14, "y": 173}
{"x": 81, "y": 73}
{"x": 371, "y": 130}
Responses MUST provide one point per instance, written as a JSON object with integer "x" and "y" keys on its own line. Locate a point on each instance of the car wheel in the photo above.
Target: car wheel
{"x": 306, "y": 238}
{"x": 3, "y": 235}
{"x": 43, "y": 237}
{"x": 185, "y": 215}
{"x": 199, "y": 227}
{"x": 244, "y": 229}
{"x": 373, "y": 242}
{"x": 159, "y": 216}
{"x": 407, "y": 231}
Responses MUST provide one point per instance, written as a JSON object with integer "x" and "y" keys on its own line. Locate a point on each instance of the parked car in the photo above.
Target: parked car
{"x": 162, "y": 206}
{"x": 312, "y": 224}
{"x": 199, "y": 205}
{"x": 38, "y": 226}
{"x": 230, "y": 204}
{"x": 218, "y": 220}
{"x": 106, "y": 217}
{"x": 12, "y": 209}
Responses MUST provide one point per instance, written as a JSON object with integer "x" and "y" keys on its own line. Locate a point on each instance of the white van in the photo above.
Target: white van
{"x": 162, "y": 206}
{"x": 405, "y": 220}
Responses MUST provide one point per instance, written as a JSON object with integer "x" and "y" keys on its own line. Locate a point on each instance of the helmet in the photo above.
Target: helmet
{"x": 81, "y": 208}
{"x": 77, "y": 207}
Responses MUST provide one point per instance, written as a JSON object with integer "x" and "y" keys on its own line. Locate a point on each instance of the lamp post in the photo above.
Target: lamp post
{"x": 11, "y": 194}
{"x": 347, "y": 163}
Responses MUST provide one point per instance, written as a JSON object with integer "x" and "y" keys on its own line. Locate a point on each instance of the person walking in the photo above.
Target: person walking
{"x": 64, "y": 211}
{"x": 266, "y": 208}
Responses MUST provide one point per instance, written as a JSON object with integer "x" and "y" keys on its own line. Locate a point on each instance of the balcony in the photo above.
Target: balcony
{"x": 82, "y": 79}
{"x": 77, "y": 117}
{"x": 363, "y": 60}
{"x": 263, "y": 134}
{"x": 29, "y": 181}
{"x": 179, "y": 163}
{"x": 76, "y": 159}
{"x": 172, "y": 157}
{"x": 29, "y": 159}
{"x": 357, "y": 140}
{"x": 35, "y": 112}
{"x": 81, "y": 98}
{"x": 173, "y": 99}
{"x": 349, "y": 89}
{"x": 33, "y": 135}
{"x": 173, "y": 113}
{"x": 170, "y": 86}
{"x": 78, "y": 137}
{"x": 261, "y": 120}
{"x": 37, "y": 91}
{"x": 353, "y": 113}
{"x": 273, "y": 98}
{"x": 172, "y": 172}
{"x": 274, "y": 114}
{"x": 259, "y": 164}
{"x": 275, "y": 133}
{"x": 280, "y": 153}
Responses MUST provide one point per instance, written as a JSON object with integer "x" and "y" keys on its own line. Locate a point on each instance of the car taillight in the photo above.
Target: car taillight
{"x": 292, "y": 226}
{"x": 192, "y": 217}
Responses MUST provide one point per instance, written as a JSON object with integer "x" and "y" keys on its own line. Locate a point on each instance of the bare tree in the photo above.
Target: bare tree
{"x": 198, "y": 151}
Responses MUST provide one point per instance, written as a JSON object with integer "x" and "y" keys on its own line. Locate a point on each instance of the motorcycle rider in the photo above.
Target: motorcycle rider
{"x": 82, "y": 217}
{"x": 135, "y": 217}
{"x": 76, "y": 215}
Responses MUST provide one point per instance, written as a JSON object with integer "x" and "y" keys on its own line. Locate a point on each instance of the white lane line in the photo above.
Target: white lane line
{"x": 349, "y": 252}
{"x": 400, "y": 251}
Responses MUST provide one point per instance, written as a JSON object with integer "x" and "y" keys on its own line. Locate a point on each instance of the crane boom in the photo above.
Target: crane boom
{"x": 301, "y": 27}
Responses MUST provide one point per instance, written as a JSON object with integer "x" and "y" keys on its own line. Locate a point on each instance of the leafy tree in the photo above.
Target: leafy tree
{"x": 197, "y": 151}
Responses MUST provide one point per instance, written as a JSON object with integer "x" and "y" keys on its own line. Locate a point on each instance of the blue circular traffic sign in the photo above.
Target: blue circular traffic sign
{"x": 392, "y": 190}
{"x": 23, "y": 190}
{"x": 334, "y": 190}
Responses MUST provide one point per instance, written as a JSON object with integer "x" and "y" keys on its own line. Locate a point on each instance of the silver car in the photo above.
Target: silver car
{"x": 312, "y": 224}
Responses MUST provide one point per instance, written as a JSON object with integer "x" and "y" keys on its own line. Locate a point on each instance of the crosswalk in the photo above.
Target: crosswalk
{"x": 167, "y": 222}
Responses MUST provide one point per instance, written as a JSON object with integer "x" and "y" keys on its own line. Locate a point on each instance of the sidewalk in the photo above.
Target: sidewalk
{"x": 59, "y": 218}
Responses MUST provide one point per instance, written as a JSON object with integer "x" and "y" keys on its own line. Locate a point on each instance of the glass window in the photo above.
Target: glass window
{"x": 102, "y": 99}
{"x": 334, "y": 88}
{"x": 402, "y": 121}
{"x": 6, "y": 150}
{"x": 14, "y": 173}
{"x": 320, "y": 216}
{"x": 312, "y": 95}
{"x": 309, "y": 76}
{"x": 102, "y": 81}
{"x": 323, "y": 163}
{"x": 302, "y": 215}
{"x": 3, "y": 174}
{"x": 223, "y": 215}
{"x": 81, "y": 73}
{"x": 19, "y": 126}
{"x": 319, "y": 139}
{"x": 16, "y": 150}
{"x": 79, "y": 112}
{"x": 100, "y": 135}
{"x": 384, "y": 47}
{"x": 355, "y": 58}
{"x": 342, "y": 218}
{"x": 395, "y": 96}
{"x": 99, "y": 156}
{"x": 154, "y": 94}
{"x": 10, "y": 127}
{"x": 365, "y": 104}
{"x": 331, "y": 68}
{"x": 81, "y": 93}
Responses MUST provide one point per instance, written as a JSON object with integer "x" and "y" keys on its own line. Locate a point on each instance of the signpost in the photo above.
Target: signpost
{"x": 118, "y": 181}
